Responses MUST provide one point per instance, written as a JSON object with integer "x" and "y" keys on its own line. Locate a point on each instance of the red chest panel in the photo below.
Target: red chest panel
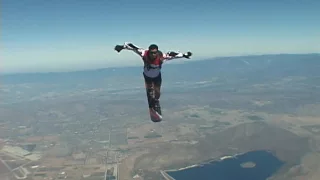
{"x": 156, "y": 62}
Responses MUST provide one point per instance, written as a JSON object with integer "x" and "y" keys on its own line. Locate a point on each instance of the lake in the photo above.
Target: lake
{"x": 255, "y": 165}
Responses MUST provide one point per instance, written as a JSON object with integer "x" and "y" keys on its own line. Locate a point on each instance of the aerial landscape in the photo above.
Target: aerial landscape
{"x": 94, "y": 124}
{"x": 160, "y": 90}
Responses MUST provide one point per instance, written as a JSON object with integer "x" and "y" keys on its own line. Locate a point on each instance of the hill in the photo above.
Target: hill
{"x": 238, "y": 139}
{"x": 288, "y": 146}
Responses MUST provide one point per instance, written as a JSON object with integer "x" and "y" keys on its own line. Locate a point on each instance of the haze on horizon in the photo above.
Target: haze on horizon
{"x": 42, "y": 36}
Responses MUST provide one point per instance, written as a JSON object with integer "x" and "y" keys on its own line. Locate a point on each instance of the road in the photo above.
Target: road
{"x": 166, "y": 176}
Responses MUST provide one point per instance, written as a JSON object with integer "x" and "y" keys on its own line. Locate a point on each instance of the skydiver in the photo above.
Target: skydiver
{"x": 153, "y": 59}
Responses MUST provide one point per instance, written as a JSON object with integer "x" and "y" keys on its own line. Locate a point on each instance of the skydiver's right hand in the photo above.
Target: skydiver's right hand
{"x": 187, "y": 55}
{"x": 118, "y": 48}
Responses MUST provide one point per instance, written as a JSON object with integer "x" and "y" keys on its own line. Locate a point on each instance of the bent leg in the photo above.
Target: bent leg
{"x": 157, "y": 92}
{"x": 156, "y": 99}
{"x": 149, "y": 90}
{"x": 157, "y": 87}
{"x": 150, "y": 94}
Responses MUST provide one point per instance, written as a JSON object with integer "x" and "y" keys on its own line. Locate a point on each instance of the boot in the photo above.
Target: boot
{"x": 157, "y": 106}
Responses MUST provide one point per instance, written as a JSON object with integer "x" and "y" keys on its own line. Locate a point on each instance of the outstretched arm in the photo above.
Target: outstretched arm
{"x": 130, "y": 46}
{"x": 175, "y": 55}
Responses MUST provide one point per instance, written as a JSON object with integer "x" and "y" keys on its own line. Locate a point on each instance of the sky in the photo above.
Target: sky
{"x": 56, "y": 35}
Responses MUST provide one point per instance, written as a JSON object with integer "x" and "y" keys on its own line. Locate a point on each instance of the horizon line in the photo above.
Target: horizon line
{"x": 119, "y": 67}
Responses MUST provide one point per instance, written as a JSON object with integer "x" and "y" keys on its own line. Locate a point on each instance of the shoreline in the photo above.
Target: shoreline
{"x": 224, "y": 157}
{"x": 168, "y": 177}
{"x": 217, "y": 159}
{"x": 203, "y": 163}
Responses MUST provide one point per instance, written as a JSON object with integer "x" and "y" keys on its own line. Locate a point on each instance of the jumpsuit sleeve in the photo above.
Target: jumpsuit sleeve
{"x": 130, "y": 46}
{"x": 172, "y": 55}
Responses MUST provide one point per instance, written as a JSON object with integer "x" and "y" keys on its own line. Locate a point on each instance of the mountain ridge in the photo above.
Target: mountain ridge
{"x": 239, "y": 65}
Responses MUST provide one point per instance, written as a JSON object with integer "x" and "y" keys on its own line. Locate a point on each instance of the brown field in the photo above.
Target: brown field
{"x": 127, "y": 165}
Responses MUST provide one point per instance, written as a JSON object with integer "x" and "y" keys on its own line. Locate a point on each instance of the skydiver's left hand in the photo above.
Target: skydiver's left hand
{"x": 118, "y": 48}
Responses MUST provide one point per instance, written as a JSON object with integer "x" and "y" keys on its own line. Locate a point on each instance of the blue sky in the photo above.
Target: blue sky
{"x": 56, "y": 35}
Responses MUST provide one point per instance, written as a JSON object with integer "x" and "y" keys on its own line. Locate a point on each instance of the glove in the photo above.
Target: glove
{"x": 118, "y": 48}
{"x": 187, "y": 55}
